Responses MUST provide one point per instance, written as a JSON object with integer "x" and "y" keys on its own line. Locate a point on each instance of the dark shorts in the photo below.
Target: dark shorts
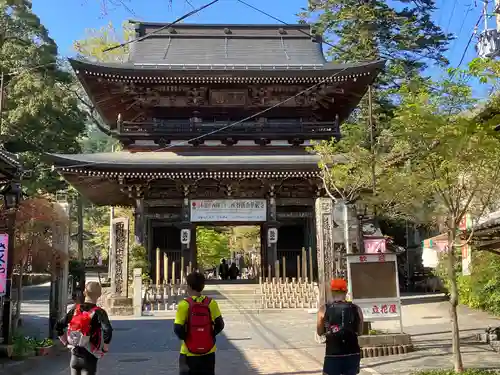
{"x": 342, "y": 365}
{"x": 197, "y": 365}
{"x": 83, "y": 364}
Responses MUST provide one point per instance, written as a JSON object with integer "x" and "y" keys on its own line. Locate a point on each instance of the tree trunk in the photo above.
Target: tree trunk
{"x": 452, "y": 277}
{"x": 17, "y": 316}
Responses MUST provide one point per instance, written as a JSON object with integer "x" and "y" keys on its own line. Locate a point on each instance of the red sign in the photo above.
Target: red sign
{"x": 384, "y": 309}
{"x": 381, "y": 258}
{"x": 363, "y": 258}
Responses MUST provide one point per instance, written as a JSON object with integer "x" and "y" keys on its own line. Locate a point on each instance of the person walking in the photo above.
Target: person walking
{"x": 340, "y": 322}
{"x": 88, "y": 331}
{"x": 198, "y": 321}
{"x": 223, "y": 269}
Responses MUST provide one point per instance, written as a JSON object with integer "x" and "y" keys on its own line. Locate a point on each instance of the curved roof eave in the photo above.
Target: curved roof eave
{"x": 165, "y": 69}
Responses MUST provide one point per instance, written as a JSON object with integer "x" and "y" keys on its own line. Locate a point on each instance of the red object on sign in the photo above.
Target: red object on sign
{"x": 384, "y": 309}
{"x": 362, "y": 258}
{"x": 381, "y": 258}
{"x": 392, "y": 309}
{"x": 375, "y": 309}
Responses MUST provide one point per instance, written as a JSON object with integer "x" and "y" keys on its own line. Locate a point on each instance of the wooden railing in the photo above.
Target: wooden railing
{"x": 180, "y": 129}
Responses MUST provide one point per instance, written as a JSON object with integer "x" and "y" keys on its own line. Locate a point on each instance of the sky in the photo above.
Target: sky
{"x": 67, "y": 20}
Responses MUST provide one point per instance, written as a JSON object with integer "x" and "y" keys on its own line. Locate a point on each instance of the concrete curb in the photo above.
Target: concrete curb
{"x": 382, "y": 351}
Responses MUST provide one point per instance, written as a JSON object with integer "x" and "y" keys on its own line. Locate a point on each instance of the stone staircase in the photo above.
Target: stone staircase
{"x": 236, "y": 298}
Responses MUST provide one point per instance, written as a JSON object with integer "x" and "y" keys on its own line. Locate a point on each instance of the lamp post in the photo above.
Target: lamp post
{"x": 361, "y": 213}
{"x": 12, "y": 195}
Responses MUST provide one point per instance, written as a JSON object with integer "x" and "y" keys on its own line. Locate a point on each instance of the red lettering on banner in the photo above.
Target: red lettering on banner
{"x": 381, "y": 258}
{"x": 393, "y": 309}
{"x": 384, "y": 309}
{"x": 362, "y": 258}
{"x": 375, "y": 309}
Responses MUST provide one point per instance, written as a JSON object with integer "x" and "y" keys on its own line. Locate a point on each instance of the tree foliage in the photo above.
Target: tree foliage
{"x": 212, "y": 246}
{"x": 39, "y": 112}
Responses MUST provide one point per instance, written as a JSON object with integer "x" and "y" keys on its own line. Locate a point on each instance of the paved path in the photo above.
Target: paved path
{"x": 283, "y": 343}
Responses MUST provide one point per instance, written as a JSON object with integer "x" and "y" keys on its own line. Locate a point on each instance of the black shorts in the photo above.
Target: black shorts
{"x": 342, "y": 365}
{"x": 197, "y": 365}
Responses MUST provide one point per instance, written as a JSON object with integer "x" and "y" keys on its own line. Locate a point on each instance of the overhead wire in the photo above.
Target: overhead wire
{"x": 156, "y": 31}
{"x": 470, "y": 40}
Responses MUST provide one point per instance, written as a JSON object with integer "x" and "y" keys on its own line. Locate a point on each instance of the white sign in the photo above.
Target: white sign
{"x": 185, "y": 236}
{"x": 372, "y": 258}
{"x": 272, "y": 235}
{"x": 380, "y": 310}
{"x": 466, "y": 259}
{"x": 237, "y": 210}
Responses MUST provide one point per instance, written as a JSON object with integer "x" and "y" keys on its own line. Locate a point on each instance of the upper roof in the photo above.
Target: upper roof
{"x": 206, "y": 44}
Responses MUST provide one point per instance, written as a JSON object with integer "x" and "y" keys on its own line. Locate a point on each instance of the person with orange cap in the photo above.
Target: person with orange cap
{"x": 340, "y": 322}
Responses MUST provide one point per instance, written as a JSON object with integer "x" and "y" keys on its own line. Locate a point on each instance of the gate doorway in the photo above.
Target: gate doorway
{"x": 239, "y": 246}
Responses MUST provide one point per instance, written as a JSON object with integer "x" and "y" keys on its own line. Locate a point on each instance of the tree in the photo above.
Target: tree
{"x": 97, "y": 139}
{"x": 453, "y": 169}
{"x": 37, "y": 220}
{"x": 212, "y": 247}
{"x": 401, "y": 32}
{"x": 39, "y": 112}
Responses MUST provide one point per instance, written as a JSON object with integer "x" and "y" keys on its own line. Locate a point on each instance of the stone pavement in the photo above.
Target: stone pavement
{"x": 283, "y": 343}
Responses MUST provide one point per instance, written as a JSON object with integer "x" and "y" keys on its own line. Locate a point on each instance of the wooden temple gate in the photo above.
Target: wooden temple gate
{"x": 233, "y": 126}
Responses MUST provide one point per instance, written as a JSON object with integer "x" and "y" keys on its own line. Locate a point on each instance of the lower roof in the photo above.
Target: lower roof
{"x": 227, "y": 159}
{"x": 102, "y": 177}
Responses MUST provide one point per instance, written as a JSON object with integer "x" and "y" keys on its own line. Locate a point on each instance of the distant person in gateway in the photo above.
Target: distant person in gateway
{"x": 340, "y": 322}
{"x": 223, "y": 270}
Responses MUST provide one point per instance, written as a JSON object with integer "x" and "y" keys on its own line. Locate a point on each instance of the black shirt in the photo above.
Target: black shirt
{"x": 341, "y": 324}
{"x": 99, "y": 320}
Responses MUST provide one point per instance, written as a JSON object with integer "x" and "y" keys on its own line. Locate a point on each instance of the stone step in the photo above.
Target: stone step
{"x": 120, "y": 310}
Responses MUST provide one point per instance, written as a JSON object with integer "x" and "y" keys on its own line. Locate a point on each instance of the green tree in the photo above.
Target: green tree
{"x": 212, "y": 247}
{"x": 39, "y": 112}
{"x": 453, "y": 168}
{"x": 97, "y": 138}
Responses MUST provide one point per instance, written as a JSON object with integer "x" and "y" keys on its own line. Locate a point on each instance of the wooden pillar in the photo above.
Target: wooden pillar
{"x": 139, "y": 222}
{"x": 272, "y": 246}
{"x": 186, "y": 249}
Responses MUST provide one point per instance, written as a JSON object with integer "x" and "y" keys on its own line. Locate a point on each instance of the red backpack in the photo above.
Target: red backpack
{"x": 200, "y": 330}
{"x": 80, "y": 332}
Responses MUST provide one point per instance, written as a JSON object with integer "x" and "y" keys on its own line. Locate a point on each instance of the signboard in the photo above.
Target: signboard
{"x": 4, "y": 253}
{"x": 385, "y": 310}
{"x": 374, "y": 285}
{"x": 272, "y": 235}
{"x": 235, "y": 210}
{"x": 185, "y": 236}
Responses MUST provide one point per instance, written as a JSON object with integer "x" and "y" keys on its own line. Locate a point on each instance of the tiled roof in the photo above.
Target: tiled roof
{"x": 228, "y": 159}
{"x": 227, "y": 45}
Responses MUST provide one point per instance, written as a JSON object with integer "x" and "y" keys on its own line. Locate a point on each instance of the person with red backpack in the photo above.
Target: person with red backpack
{"x": 197, "y": 322}
{"x": 340, "y": 322}
{"x": 88, "y": 332}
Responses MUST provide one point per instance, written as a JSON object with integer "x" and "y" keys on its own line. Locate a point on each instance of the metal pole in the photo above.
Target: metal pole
{"x": 347, "y": 243}
{"x": 7, "y": 301}
{"x": 80, "y": 227}
{"x": 372, "y": 136}
{"x": 1, "y": 101}
{"x": 111, "y": 218}
{"x": 497, "y": 8}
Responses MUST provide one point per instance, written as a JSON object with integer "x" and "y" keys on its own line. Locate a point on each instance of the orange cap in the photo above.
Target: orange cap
{"x": 338, "y": 285}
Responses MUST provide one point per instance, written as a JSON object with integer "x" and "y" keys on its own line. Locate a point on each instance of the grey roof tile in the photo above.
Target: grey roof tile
{"x": 196, "y": 159}
{"x": 245, "y": 45}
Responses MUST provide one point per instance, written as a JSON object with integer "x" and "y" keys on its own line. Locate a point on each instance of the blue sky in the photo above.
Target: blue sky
{"x": 68, "y": 19}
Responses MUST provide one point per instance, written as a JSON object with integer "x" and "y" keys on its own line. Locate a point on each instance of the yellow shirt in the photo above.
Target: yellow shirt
{"x": 182, "y": 315}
